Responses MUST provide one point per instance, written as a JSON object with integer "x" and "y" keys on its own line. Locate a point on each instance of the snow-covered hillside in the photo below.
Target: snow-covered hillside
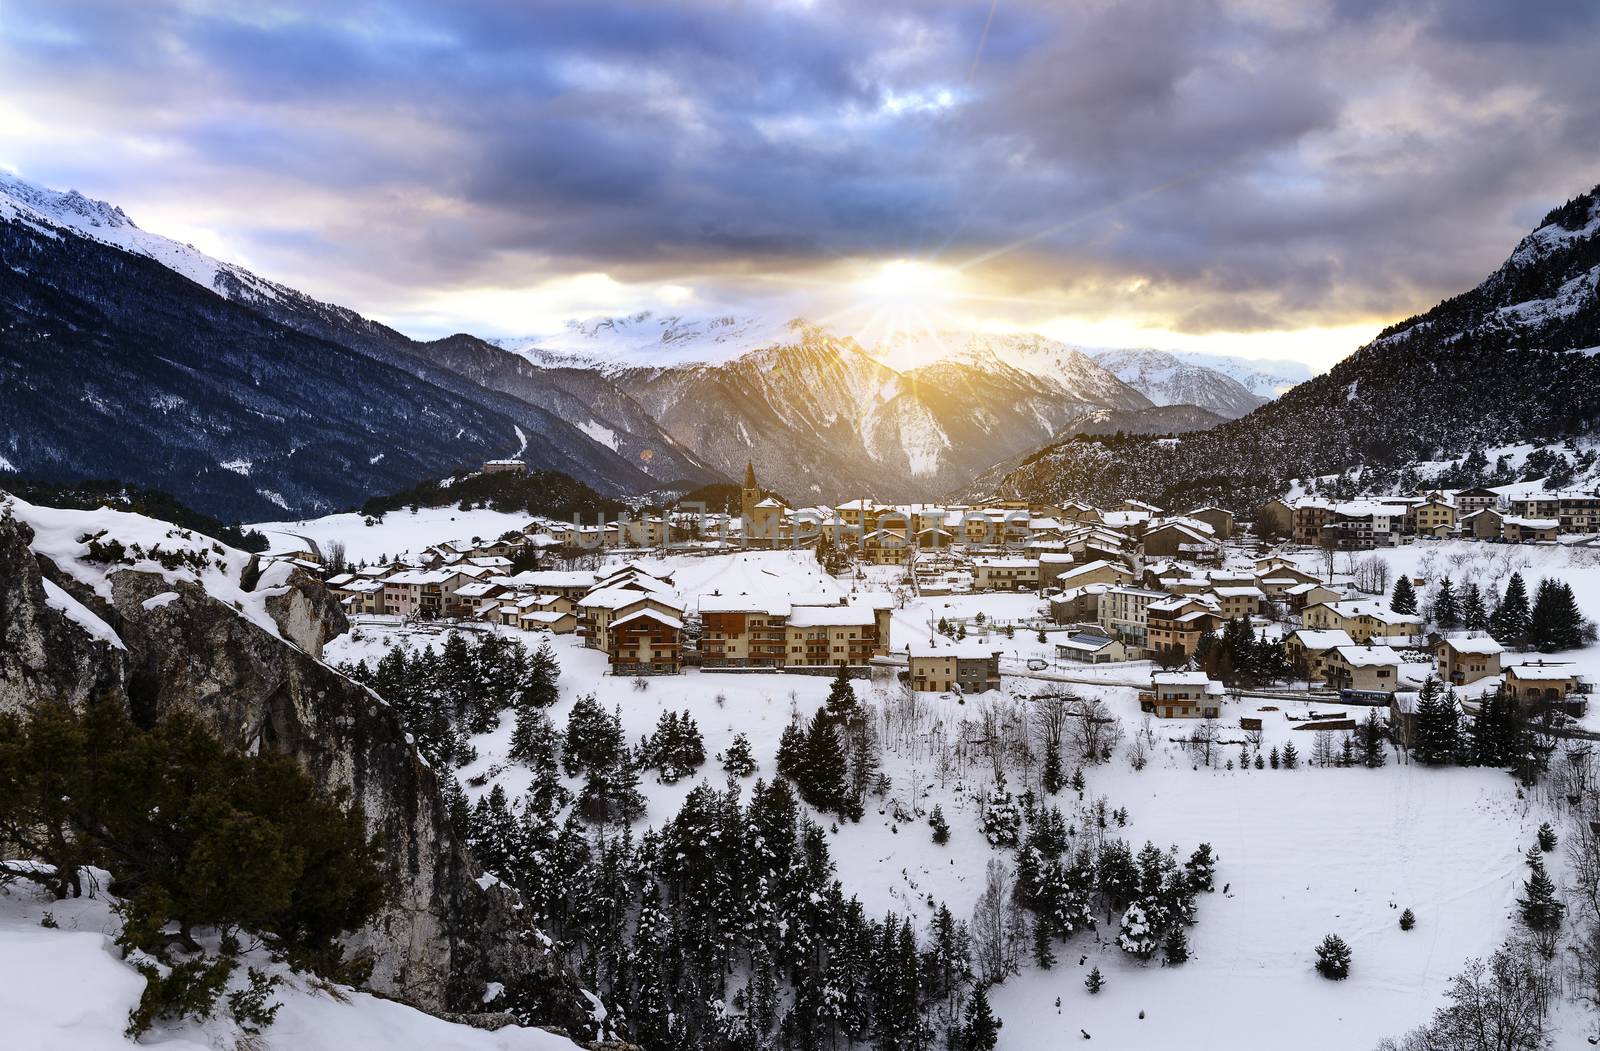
{"x": 108, "y": 224}
{"x": 64, "y": 988}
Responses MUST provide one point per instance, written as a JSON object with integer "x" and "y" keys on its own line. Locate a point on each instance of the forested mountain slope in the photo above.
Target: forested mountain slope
{"x": 1513, "y": 360}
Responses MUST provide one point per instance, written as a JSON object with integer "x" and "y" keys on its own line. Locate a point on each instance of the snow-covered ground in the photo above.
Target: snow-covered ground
{"x": 67, "y": 989}
{"x": 400, "y": 533}
{"x": 1304, "y": 852}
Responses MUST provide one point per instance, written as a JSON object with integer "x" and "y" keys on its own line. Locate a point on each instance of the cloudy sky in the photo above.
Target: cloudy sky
{"x": 1241, "y": 175}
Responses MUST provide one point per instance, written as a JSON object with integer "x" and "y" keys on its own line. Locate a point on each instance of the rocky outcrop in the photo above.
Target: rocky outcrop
{"x": 306, "y": 613}
{"x": 444, "y": 933}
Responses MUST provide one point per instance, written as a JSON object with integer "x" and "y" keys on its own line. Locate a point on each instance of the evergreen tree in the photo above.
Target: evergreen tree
{"x": 1272, "y": 758}
{"x": 1177, "y": 946}
{"x": 1446, "y": 607}
{"x": 1555, "y": 623}
{"x": 1043, "y": 955}
{"x": 1437, "y": 725}
{"x": 1541, "y": 912}
{"x": 822, "y": 770}
{"x": 791, "y": 751}
{"x": 1404, "y": 598}
{"x": 1474, "y": 614}
{"x": 940, "y": 827}
{"x": 1333, "y": 958}
{"x": 1408, "y": 920}
{"x": 739, "y": 760}
{"x": 1372, "y": 733}
{"x": 1291, "y": 756}
{"x": 1509, "y": 624}
{"x": 1201, "y": 869}
{"x": 841, "y": 703}
{"x": 1053, "y": 777}
{"x": 981, "y": 1031}
{"x": 1095, "y": 982}
{"x": 1547, "y": 838}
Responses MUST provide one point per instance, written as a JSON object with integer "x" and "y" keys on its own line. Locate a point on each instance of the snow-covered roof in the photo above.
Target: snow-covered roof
{"x": 1327, "y": 639}
{"x": 831, "y": 616}
{"x": 772, "y": 605}
{"x": 1540, "y": 671}
{"x": 1368, "y": 656}
{"x": 1484, "y": 645}
{"x": 1180, "y": 678}
{"x": 648, "y": 614}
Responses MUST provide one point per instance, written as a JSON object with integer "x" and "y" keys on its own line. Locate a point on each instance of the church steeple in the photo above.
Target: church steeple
{"x": 750, "y": 495}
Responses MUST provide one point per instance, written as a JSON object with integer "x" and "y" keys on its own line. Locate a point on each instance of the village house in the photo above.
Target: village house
{"x": 599, "y": 609}
{"x": 1435, "y": 516}
{"x": 1090, "y": 647}
{"x": 1461, "y": 661}
{"x": 1180, "y": 539}
{"x": 1052, "y": 564}
{"x": 1182, "y": 695}
{"x": 1100, "y": 571}
{"x": 886, "y": 547}
{"x": 1517, "y": 530}
{"x": 743, "y": 631}
{"x": 990, "y": 573}
{"x": 1362, "y": 669}
{"x": 1300, "y": 596}
{"x": 1307, "y": 650}
{"x": 646, "y": 641}
{"x": 1237, "y": 603}
{"x": 1123, "y": 612}
{"x": 1275, "y": 581}
{"x": 827, "y": 636}
{"x": 1078, "y": 605}
{"x": 1468, "y": 501}
{"x": 1175, "y": 625}
{"x": 421, "y": 592}
{"x": 1363, "y": 619}
{"x": 1541, "y": 683}
{"x": 1220, "y": 520}
{"x": 1484, "y": 523}
{"x": 571, "y": 585}
{"x": 941, "y": 666}
{"x": 1274, "y": 518}
{"x": 1310, "y": 515}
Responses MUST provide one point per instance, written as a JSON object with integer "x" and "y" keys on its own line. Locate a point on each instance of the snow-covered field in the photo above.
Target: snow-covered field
{"x": 1304, "y": 852}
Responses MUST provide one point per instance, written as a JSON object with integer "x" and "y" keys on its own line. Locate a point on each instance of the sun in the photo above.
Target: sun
{"x": 909, "y": 285}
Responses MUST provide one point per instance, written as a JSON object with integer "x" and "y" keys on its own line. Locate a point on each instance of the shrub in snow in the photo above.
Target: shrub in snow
{"x": 1333, "y": 958}
{"x": 1095, "y": 982}
{"x": 1408, "y": 920}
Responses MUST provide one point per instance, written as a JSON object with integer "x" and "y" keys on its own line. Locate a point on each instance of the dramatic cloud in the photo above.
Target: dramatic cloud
{"x": 1179, "y": 167}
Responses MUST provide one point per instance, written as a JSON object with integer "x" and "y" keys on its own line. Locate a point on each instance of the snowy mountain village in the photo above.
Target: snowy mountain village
{"x": 928, "y": 595}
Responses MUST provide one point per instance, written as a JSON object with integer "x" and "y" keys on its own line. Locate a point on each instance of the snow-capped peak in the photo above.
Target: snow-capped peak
{"x": 70, "y": 210}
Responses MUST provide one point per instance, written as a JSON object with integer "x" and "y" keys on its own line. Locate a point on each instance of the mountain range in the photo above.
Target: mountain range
{"x": 134, "y": 356}
{"x": 1514, "y": 360}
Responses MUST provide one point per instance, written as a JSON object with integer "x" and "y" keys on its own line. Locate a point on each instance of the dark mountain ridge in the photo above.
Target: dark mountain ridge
{"x": 1513, "y": 360}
